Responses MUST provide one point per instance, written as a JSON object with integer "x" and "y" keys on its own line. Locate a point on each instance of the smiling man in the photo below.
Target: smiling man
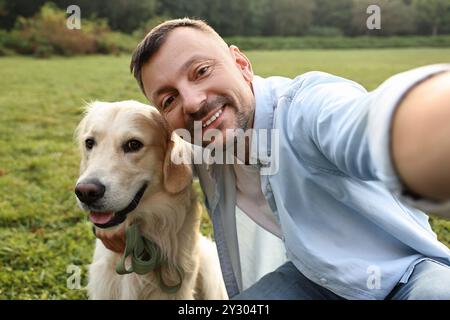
{"x": 351, "y": 165}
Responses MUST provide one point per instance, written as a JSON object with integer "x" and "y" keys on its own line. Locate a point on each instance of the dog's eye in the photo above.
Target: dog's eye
{"x": 132, "y": 146}
{"x": 89, "y": 143}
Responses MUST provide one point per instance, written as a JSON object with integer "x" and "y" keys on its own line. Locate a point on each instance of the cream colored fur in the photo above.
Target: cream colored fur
{"x": 167, "y": 214}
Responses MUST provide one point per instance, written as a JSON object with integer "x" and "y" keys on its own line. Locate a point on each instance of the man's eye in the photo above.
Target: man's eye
{"x": 89, "y": 143}
{"x": 167, "y": 102}
{"x": 202, "y": 70}
{"x": 132, "y": 145}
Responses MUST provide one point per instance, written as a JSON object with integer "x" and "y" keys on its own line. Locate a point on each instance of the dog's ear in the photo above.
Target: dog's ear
{"x": 177, "y": 169}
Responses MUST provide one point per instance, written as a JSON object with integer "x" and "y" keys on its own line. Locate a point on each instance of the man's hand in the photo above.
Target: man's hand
{"x": 421, "y": 138}
{"x": 112, "y": 240}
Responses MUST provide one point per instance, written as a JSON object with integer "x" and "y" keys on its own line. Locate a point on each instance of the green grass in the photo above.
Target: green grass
{"x": 42, "y": 231}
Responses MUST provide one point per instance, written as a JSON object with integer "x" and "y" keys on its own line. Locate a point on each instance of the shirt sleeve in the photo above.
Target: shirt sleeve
{"x": 351, "y": 127}
{"x": 379, "y": 130}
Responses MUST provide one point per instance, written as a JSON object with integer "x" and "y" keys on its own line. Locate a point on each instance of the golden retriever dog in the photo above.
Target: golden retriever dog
{"x": 127, "y": 178}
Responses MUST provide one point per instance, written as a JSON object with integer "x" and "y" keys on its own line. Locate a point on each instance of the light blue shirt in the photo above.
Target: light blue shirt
{"x": 345, "y": 223}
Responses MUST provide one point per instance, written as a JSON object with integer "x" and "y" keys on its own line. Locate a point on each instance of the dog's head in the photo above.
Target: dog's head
{"x": 126, "y": 150}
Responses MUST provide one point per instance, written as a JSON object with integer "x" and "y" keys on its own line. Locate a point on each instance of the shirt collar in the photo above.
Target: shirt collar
{"x": 263, "y": 123}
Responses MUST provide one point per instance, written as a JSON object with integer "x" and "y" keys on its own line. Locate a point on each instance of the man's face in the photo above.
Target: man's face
{"x": 194, "y": 77}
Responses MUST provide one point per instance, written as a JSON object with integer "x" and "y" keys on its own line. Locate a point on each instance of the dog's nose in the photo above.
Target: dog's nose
{"x": 90, "y": 192}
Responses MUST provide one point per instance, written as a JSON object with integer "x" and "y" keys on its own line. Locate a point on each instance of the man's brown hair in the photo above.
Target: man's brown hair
{"x": 156, "y": 38}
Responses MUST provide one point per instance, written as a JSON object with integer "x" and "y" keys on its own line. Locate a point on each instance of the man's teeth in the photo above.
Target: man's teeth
{"x": 213, "y": 117}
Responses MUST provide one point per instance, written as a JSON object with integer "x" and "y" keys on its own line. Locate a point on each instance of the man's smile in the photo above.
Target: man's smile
{"x": 211, "y": 117}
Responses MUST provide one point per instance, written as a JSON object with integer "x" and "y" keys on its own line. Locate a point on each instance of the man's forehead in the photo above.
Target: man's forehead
{"x": 190, "y": 37}
{"x": 183, "y": 43}
{"x": 182, "y": 47}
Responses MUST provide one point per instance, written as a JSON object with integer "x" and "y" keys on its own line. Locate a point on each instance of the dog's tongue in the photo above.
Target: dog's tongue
{"x": 101, "y": 217}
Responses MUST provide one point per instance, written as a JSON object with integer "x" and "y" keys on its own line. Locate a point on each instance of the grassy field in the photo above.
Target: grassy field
{"x": 42, "y": 231}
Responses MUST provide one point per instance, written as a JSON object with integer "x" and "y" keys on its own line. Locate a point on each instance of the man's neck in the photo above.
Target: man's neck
{"x": 247, "y": 142}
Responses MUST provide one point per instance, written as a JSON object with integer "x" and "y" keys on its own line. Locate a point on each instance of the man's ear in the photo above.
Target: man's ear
{"x": 243, "y": 63}
{"x": 177, "y": 168}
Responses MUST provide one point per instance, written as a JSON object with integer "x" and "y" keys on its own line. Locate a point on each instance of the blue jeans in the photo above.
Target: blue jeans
{"x": 430, "y": 280}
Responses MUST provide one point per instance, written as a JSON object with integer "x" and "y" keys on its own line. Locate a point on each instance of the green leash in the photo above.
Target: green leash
{"x": 145, "y": 257}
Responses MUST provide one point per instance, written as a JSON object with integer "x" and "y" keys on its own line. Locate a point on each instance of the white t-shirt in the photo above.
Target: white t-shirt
{"x": 260, "y": 249}
{"x": 250, "y": 199}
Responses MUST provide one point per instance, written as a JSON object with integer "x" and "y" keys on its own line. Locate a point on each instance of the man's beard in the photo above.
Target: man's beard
{"x": 241, "y": 121}
{"x": 205, "y": 109}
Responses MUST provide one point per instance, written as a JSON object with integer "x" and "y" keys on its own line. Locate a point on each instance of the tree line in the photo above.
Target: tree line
{"x": 257, "y": 17}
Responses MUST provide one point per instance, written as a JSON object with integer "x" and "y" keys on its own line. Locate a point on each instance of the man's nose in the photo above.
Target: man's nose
{"x": 89, "y": 192}
{"x": 193, "y": 100}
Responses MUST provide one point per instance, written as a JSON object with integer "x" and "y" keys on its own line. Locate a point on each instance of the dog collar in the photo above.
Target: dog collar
{"x": 145, "y": 257}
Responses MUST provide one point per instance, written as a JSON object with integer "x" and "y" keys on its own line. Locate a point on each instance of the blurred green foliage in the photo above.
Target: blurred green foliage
{"x": 265, "y": 25}
{"x": 256, "y": 17}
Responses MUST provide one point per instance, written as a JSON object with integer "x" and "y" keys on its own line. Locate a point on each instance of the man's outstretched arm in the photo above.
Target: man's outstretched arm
{"x": 398, "y": 134}
{"x": 420, "y": 141}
